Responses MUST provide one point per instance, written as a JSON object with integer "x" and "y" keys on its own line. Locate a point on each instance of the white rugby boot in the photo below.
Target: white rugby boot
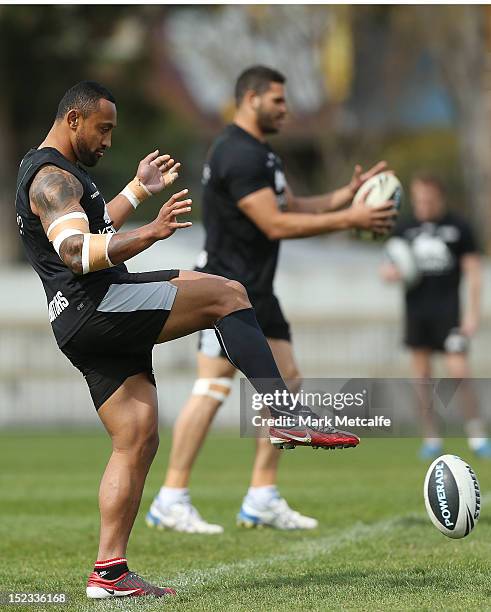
{"x": 181, "y": 517}
{"x": 277, "y": 514}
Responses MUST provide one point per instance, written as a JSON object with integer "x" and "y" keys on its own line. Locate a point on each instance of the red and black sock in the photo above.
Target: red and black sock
{"x": 111, "y": 569}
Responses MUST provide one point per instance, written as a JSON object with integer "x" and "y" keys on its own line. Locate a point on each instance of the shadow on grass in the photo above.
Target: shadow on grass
{"x": 405, "y": 578}
{"x": 409, "y": 581}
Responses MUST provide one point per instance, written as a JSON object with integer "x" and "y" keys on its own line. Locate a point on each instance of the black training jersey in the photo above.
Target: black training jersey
{"x": 238, "y": 164}
{"x": 71, "y": 298}
{"x": 437, "y": 247}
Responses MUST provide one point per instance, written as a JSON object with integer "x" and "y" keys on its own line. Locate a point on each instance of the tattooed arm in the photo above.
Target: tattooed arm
{"x": 55, "y": 193}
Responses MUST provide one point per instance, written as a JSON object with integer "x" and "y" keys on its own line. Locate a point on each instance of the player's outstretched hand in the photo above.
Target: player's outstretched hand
{"x": 380, "y": 219}
{"x": 359, "y": 177}
{"x": 157, "y": 172}
{"x": 166, "y": 222}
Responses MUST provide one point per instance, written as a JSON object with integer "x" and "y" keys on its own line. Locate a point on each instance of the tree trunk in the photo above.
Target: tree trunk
{"x": 9, "y": 236}
{"x": 460, "y": 40}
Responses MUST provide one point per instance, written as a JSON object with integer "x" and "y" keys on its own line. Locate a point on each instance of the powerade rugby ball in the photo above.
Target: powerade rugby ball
{"x": 382, "y": 187}
{"x": 452, "y": 496}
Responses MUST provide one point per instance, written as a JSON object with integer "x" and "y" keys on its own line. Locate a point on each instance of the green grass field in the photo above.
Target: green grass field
{"x": 375, "y": 548}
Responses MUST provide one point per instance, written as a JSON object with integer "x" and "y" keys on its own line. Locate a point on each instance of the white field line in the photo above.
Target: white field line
{"x": 187, "y": 582}
{"x": 299, "y": 551}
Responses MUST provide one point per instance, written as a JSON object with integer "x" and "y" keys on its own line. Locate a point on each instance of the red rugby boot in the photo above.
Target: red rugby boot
{"x": 127, "y": 585}
{"x": 313, "y": 435}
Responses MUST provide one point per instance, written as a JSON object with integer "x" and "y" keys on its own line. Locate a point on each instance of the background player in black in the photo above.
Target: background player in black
{"x": 68, "y": 233}
{"x": 247, "y": 209}
{"x": 443, "y": 247}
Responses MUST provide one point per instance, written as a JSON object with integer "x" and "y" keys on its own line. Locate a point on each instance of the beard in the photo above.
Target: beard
{"x": 85, "y": 155}
{"x": 267, "y": 122}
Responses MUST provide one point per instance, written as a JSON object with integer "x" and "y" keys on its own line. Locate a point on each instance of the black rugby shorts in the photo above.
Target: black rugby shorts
{"x": 117, "y": 341}
{"x": 430, "y": 331}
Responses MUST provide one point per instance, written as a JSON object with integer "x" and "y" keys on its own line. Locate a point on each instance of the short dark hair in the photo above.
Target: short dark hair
{"x": 430, "y": 179}
{"x": 257, "y": 78}
{"x": 84, "y": 97}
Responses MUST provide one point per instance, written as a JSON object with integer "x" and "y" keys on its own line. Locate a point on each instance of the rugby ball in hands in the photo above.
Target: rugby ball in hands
{"x": 381, "y": 188}
{"x": 452, "y": 496}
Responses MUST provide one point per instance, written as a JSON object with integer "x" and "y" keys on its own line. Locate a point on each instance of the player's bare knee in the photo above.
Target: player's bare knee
{"x": 141, "y": 442}
{"x": 146, "y": 446}
{"x": 234, "y": 297}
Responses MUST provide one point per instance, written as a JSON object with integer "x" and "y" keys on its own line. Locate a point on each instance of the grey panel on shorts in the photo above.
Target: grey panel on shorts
{"x": 139, "y": 296}
{"x": 208, "y": 344}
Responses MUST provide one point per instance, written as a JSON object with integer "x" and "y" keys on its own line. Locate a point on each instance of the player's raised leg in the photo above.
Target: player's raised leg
{"x": 130, "y": 418}
{"x": 201, "y": 301}
{"x": 263, "y": 505}
{"x": 172, "y": 507}
{"x": 204, "y": 301}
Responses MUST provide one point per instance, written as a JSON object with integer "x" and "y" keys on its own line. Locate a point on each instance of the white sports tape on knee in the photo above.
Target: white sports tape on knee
{"x": 136, "y": 192}
{"x": 218, "y": 388}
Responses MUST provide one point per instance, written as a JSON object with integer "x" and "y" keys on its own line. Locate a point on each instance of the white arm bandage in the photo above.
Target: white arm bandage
{"x": 62, "y": 235}
{"x": 94, "y": 252}
{"x": 65, "y": 226}
{"x": 94, "y": 246}
{"x": 136, "y": 192}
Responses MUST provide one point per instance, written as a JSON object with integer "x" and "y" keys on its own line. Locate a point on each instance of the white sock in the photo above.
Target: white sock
{"x": 476, "y": 432}
{"x": 260, "y": 497}
{"x": 168, "y": 496}
{"x": 434, "y": 442}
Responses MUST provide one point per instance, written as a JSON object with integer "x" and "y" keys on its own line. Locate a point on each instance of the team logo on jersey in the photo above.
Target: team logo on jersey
{"x": 272, "y": 160}
{"x": 57, "y": 305}
{"x": 432, "y": 254}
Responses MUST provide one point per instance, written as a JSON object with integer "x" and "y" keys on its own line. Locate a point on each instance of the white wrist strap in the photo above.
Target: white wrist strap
{"x": 136, "y": 192}
{"x": 134, "y": 201}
